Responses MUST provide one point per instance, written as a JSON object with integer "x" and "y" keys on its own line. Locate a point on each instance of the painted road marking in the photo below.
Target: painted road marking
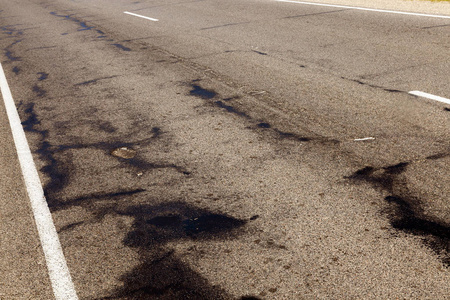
{"x": 430, "y": 96}
{"x": 140, "y": 16}
{"x": 63, "y": 287}
{"x": 367, "y": 9}
{"x": 364, "y": 139}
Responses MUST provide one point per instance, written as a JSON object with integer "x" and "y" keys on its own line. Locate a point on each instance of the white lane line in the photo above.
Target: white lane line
{"x": 367, "y": 9}
{"x": 140, "y": 16}
{"x": 63, "y": 287}
{"x": 430, "y": 96}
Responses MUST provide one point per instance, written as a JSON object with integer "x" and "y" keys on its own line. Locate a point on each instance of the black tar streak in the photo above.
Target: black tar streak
{"x": 231, "y": 109}
{"x": 93, "y": 80}
{"x": 42, "y": 76}
{"x": 82, "y": 25}
{"x": 374, "y": 86}
{"x": 53, "y": 168}
{"x": 404, "y": 211}
{"x": 121, "y": 47}
{"x": 79, "y": 201}
{"x": 200, "y": 92}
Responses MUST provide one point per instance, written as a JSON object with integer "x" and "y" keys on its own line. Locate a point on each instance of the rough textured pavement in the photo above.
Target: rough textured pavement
{"x": 216, "y": 154}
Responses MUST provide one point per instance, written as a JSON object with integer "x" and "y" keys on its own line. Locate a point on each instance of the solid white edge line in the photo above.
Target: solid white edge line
{"x": 430, "y": 96}
{"x": 367, "y": 9}
{"x": 63, "y": 287}
{"x": 140, "y": 16}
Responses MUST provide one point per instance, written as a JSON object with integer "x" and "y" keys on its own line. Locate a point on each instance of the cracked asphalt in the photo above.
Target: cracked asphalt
{"x": 230, "y": 150}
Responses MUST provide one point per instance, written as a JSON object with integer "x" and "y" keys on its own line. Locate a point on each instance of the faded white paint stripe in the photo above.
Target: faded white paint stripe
{"x": 367, "y": 9}
{"x": 140, "y": 16}
{"x": 364, "y": 139}
{"x": 430, "y": 96}
{"x": 63, "y": 287}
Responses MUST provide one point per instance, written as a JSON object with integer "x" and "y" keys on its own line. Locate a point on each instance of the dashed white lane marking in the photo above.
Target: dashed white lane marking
{"x": 140, "y": 16}
{"x": 430, "y": 96}
{"x": 367, "y": 9}
{"x": 63, "y": 287}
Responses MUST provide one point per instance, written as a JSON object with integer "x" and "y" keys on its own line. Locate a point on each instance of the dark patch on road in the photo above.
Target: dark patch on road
{"x": 231, "y": 109}
{"x": 16, "y": 70}
{"x": 106, "y": 126}
{"x": 32, "y": 120}
{"x": 94, "y": 80}
{"x": 210, "y": 223}
{"x": 264, "y": 125}
{"x": 70, "y": 226}
{"x": 95, "y": 197}
{"x": 83, "y": 25}
{"x": 446, "y": 108}
{"x": 121, "y": 47}
{"x": 8, "y": 29}
{"x": 259, "y": 52}
{"x": 404, "y": 211}
{"x": 202, "y": 93}
{"x": 396, "y": 169}
{"x": 231, "y": 98}
{"x": 361, "y": 173}
{"x": 253, "y": 218}
{"x": 157, "y": 132}
{"x": 438, "y": 156}
{"x": 54, "y": 169}
{"x": 283, "y": 134}
{"x": 291, "y": 136}
{"x": 9, "y": 54}
{"x": 39, "y": 91}
{"x": 42, "y": 76}
{"x": 161, "y": 274}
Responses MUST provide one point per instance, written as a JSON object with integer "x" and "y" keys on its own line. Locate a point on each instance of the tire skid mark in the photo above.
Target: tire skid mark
{"x": 211, "y": 96}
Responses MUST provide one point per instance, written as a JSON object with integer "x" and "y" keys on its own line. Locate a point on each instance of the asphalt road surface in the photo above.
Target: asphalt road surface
{"x": 227, "y": 150}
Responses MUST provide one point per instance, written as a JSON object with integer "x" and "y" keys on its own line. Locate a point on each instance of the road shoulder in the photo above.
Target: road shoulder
{"x": 22, "y": 267}
{"x": 416, "y": 6}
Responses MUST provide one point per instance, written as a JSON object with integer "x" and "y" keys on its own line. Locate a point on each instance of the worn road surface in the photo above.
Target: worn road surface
{"x": 228, "y": 149}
